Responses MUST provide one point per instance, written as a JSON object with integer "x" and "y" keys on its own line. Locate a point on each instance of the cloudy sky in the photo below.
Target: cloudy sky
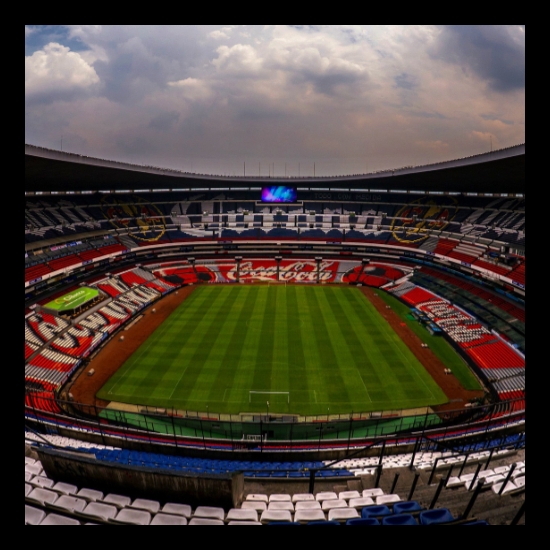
{"x": 275, "y": 100}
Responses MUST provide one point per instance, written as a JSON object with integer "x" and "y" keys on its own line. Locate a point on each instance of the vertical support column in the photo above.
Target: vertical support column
{"x": 318, "y": 260}
{"x": 278, "y": 260}
{"x": 238, "y": 260}
{"x": 192, "y": 262}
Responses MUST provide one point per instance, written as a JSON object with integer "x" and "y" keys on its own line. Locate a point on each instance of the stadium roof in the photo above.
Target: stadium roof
{"x": 47, "y": 170}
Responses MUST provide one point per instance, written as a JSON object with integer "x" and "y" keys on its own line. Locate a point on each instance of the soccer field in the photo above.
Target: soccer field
{"x": 306, "y": 350}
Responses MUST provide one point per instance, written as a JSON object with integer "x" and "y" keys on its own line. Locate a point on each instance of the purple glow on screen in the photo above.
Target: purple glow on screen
{"x": 279, "y": 193}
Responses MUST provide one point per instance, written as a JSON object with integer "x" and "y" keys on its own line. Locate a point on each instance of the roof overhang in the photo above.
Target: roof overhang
{"x": 501, "y": 171}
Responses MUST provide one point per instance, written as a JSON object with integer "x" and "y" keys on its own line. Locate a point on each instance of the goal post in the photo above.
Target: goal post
{"x": 266, "y": 394}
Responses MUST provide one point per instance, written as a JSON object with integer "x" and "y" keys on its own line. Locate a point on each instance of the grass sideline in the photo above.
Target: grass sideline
{"x": 326, "y": 345}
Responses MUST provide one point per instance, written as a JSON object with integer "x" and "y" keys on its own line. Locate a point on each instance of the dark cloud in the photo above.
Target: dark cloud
{"x": 46, "y": 97}
{"x": 495, "y": 53}
{"x": 164, "y": 121}
{"x": 331, "y": 83}
{"x": 143, "y": 60}
{"x": 426, "y": 114}
{"x": 405, "y": 81}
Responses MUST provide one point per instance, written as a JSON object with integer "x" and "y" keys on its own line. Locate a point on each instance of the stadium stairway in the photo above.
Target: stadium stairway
{"x": 496, "y": 509}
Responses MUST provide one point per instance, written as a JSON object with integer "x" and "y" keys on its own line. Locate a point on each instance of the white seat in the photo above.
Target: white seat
{"x": 466, "y": 477}
{"x": 281, "y": 506}
{"x": 65, "y": 488}
{"x": 100, "y": 510}
{"x": 326, "y": 495}
{"x": 168, "y": 519}
{"x": 306, "y": 516}
{"x": 42, "y": 481}
{"x": 152, "y": 506}
{"x": 454, "y": 481}
{"x": 360, "y": 502}
{"x": 497, "y": 478}
{"x": 518, "y": 472}
{"x": 132, "y": 516}
{"x": 120, "y": 501}
{"x": 175, "y": 508}
{"x": 275, "y": 515}
{"x": 89, "y": 494}
{"x": 387, "y": 499}
{"x": 342, "y": 514}
{"x": 237, "y": 522}
{"x": 41, "y": 496}
{"x": 209, "y": 512}
{"x": 520, "y": 481}
{"x": 238, "y": 514}
{"x": 257, "y": 496}
{"x": 35, "y": 468}
{"x": 302, "y": 497}
{"x": 205, "y": 521}
{"x": 510, "y": 487}
{"x": 373, "y": 492}
{"x": 56, "y": 519}
{"x": 257, "y": 505}
{"x": 70, "y": 503}
{"x": 28, "y": 488}
{"x": 307, "y": 505}
{"x": 331, "y": 503}
{"x": 33, "y": 516}
{"x": 280, "y": 498}
{"x": 346, "y": 495}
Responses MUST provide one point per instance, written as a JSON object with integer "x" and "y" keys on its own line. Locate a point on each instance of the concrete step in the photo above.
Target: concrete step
{"x": 355, "y": 485}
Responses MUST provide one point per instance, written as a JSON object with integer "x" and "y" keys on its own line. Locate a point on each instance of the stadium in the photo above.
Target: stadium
{"x": 200, "y": 340}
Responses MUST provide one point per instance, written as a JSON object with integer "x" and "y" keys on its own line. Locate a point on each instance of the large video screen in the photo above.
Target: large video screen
{"x": 279, "y": 193}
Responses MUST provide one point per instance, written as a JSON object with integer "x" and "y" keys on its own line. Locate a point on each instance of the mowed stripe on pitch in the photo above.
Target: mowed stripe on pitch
{"x": 327, "y": 346}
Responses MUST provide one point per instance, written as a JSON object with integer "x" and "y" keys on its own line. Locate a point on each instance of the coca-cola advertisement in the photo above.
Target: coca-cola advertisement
{"x": 289, "y": 271}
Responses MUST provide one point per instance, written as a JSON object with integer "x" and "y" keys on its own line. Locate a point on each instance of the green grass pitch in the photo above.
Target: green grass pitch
{"x": 327, "y": 346}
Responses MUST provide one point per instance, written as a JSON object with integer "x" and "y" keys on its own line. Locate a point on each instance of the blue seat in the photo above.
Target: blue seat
{"x": 376, "y": 510}
{"x": 436, "y": 516}
{"x": 399, "y": 519}
{"x": 406, "y": 507}
{"x": 362, "y": 521}
{"x": 477, "y": 522}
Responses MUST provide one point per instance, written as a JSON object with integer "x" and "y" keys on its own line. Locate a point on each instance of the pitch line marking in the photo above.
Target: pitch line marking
{"x": 365, "y": 386}
{"x": 177, "y": 383}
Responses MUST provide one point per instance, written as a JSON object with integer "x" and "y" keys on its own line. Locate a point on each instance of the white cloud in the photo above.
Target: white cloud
{"x": 239, "y": 59}
{"x": 57, "y": 69}
{"x": 192, "y": 89}
{"x": 218, "y": 34}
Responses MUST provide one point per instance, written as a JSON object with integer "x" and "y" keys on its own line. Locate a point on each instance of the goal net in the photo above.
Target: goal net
{"x": 265, "y": 397}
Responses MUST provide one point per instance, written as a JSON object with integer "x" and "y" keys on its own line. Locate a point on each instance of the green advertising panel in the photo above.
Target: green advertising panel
{"x": 73, "y": 299}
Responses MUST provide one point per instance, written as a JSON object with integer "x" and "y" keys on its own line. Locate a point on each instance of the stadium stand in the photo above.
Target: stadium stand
{"x": 457, "y": 259}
